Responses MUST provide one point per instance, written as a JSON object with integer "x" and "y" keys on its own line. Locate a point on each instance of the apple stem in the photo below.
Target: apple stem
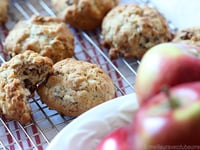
{"x": 172, "y": 101}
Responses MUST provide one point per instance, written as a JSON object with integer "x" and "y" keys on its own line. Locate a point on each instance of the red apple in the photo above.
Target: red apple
{"x": 169, "y": 119}
{"x": 166, "y": 64}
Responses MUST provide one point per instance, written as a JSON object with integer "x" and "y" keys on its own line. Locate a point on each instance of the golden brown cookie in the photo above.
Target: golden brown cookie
{"x": 83, "y": 14}
{"x": 131, "y": 30}
{"x": 47, "y": 36}
{"x": 76, "y": 86}
{"x": 3, "y": 10}
{"x": 188, "y": 36}
{"x": 18, "y": 79}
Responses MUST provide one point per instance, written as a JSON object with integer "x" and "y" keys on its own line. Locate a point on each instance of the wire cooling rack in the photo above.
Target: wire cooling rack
{"x": 47, "y": 123}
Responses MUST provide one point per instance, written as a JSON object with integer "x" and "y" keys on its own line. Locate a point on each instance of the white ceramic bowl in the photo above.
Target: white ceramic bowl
{"x": 86, "y": 131}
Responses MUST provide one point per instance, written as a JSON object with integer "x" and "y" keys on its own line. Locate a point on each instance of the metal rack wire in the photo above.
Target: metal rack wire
{"x": 47, "y": 123}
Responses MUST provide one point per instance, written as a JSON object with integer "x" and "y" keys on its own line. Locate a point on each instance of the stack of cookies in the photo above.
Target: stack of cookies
{"x": 41, "y": 51}
{"x": 129, "y": 30}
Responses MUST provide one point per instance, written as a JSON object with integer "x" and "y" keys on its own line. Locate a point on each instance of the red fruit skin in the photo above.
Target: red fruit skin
{"x": 117, "y": 140}
{"x": 155, "y": 123}
{"x": 166, "y": 64}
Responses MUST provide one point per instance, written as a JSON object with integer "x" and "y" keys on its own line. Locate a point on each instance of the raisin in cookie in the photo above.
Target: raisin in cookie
{"x": 18, "y": 79}
{"x": 83, "y": 14}
{"x": 47, "y": 36}
{"x": 76, "y": 86}
{"x": 3, "y": 10}
{"x": 131, "y": 30}
{"x": 188, "y": 36}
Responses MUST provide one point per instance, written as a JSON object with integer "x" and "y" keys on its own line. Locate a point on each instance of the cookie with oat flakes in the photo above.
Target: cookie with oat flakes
{"x": 76, "y": 86}
{"x": 188, "y": 36}
{"x": 132, "y": 29}
{"x": 18, "y": 80}
{"x": 83, "y": 14}
{"x": 4, "y": 4}
{"x": 45, "y": 35}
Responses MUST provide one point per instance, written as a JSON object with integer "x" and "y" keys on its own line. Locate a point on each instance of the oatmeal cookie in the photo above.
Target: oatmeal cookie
{"x": 76, "y": 86}
{"x": 188, "y": 36}
{"x": 3, "y": 10}
{"x": 18, "y": 79}
{"x": 132, "y": 29}
{"x": 83, "y": 14}
{"x": 47, "y": 36}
